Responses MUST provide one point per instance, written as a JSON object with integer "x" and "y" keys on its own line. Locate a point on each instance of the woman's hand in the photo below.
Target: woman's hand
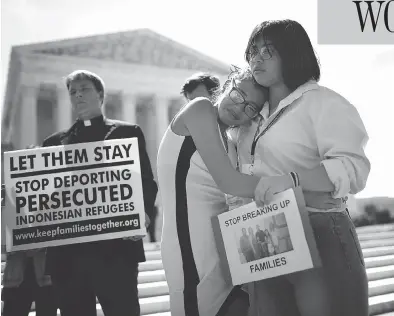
{"x": 268, "y": 186}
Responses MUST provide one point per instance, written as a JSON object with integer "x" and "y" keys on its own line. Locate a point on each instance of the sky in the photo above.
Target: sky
{"x": 364, "y": 74}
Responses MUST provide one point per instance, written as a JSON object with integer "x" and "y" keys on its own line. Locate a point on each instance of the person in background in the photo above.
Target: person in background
{"x": 260, "y": 238}
{"x": 106, "y": 269}
{"x": 246, "y": 246}
{"x": 274, "y": 237}
{"x": 152, "y": 226}
{"x": 270, "y": 243}
{"x": 200, "y": 85}
{"x": 253, "y": 240}
{"x": 24, "y": 279}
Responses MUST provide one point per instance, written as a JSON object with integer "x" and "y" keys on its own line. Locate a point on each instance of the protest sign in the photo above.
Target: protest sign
{"x": 259, "y": 243}
{"x": 3, "y": 196}
{"x": 72, "y": 194}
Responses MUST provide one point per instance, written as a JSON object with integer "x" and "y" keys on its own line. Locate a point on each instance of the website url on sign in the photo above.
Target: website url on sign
{"x": 106, "y": 225}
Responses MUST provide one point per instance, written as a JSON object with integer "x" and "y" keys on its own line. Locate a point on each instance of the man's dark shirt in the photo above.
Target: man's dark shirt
{"x": 104, "y": 129}
{"x": 260, "y": 235}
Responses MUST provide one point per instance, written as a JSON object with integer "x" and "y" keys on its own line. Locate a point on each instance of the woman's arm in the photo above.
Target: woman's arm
{"x": 200, "y": 119}
{"x": 316, "y": 180}
{"x": 341, "y": 138}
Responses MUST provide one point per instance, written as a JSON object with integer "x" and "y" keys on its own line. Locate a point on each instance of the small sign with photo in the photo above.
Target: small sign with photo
{"x": 260, "y": 243}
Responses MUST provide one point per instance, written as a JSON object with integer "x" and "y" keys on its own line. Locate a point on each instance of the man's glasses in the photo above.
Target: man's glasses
{"x": 264, "y": 52}
{"x": 237, "y": 97}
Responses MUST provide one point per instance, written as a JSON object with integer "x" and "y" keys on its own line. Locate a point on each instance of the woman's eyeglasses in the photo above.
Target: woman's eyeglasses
{"x": 264, "y": 52}
{"x": 237, "y": 97}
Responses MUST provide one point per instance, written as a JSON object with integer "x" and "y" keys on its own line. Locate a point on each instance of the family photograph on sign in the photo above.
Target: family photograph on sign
{"x": 270, "y": 237}
{"x": 269, "y": 241}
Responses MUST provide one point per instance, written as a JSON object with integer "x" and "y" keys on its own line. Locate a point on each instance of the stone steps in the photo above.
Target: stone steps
{"x": 381, "y": 304}
{"x": 151, "y": 276}
{"x": 378, "y": 249}
{"x": 377, "y": 243}
{"x": 380, "y": 287}
{"x": 157, "y": 265}
{"x": 375, "y": 236}
{"x": 375, "y": 229}
{"x": 383, "y": 283}
{"x": 379, "y": 273}
{"x": 381, "y": 261}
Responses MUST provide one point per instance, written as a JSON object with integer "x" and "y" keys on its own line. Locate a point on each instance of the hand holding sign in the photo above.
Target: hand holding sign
{"x": 268, "y": 186}
{"x": 138, "y": 237}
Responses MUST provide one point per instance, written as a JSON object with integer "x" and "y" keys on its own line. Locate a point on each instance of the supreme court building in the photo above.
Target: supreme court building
{"x": 143, "y": 73}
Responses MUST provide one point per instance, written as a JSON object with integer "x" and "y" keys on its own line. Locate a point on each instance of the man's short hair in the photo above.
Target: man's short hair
{"x": 210, "y": 82}
{"x": 86, "y": 75}
{"x": 32, "y": 146}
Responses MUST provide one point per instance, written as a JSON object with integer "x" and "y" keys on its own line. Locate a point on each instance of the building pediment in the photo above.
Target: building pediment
{"x": 142, "y": 46}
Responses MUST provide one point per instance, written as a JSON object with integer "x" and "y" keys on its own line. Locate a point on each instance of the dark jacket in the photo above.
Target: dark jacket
{"x": 14, "y": 271}
{"x": 103, "y": 129}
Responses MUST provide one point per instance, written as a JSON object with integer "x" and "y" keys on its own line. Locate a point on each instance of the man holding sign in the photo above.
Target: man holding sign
{"x": 105, "y": 269}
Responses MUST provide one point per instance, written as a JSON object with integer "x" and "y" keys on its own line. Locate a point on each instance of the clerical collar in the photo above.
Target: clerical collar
{"x": 94, "y": 121}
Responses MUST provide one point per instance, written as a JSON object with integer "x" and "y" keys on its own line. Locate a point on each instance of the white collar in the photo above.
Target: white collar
{"x": 296, "y": 94}
{"x": 265, "y": 111}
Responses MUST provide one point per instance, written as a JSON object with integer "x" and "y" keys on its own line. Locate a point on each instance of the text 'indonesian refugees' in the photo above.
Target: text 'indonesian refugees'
{"x": 72, "y": 194}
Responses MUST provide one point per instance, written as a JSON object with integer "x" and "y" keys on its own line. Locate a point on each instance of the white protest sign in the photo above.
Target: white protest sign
{"x": 267, "y": 242}
{"x": 73, "y": 194}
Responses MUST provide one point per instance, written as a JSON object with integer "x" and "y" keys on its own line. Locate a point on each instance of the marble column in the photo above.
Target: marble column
{"x": 129, "y": 103}
{"x": 162, "y": 121}
{"x": 28, "y": 128}
{"x": 63, "y": 110}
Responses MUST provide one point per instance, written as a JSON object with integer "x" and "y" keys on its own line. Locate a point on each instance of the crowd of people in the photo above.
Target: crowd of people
{"x": 270, "y": 127}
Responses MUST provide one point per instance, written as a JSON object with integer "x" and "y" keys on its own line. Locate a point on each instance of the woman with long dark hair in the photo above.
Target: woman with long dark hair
{"x": 307, "y": 126}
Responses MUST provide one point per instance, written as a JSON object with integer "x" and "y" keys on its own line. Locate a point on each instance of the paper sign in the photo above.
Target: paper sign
{"x": 266, "y": 242}
{"x": 73, "y": 194}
